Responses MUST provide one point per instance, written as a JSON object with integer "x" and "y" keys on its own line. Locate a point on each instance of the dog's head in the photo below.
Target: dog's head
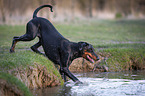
{"x": 87, "y": 52}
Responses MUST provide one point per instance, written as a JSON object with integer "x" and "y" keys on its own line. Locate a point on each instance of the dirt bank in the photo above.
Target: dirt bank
{"x": 82, "y": 65}
{"x": 35, "y": 76}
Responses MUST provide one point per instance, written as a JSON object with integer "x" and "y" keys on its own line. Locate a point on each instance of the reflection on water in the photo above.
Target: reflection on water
{"x": 101, "y": 84}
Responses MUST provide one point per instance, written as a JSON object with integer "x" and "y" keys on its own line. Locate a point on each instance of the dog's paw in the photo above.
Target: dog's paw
{"x": 11, "y": 51}
{"x": 78, "y": 83}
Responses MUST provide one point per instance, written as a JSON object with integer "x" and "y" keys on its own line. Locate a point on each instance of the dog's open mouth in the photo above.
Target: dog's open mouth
{"x": 90, "y": 59}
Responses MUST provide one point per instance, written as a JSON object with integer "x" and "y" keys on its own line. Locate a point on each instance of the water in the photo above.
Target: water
{"x": 100, "y": 84}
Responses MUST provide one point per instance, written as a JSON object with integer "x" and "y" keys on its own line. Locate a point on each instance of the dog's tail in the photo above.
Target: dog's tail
{"x": 36, "y": 11}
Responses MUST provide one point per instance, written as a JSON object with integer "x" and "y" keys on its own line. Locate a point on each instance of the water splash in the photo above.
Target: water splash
{"x": 106, "y": 87}
{"x": 101, "y": 84}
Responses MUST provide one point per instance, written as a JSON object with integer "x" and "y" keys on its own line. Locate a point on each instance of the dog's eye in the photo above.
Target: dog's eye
{"x": 90, "y": 50}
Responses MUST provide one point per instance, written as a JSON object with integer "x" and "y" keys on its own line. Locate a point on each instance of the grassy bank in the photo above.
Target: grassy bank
{"x": 120, "y": 59}
{"x": 23, "y": 59}
{"x": 14, "y": 82}
{"x": 26, "y": 68}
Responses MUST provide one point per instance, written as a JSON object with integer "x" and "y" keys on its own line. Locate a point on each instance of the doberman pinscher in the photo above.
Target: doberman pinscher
{"x": 57, "y": 48}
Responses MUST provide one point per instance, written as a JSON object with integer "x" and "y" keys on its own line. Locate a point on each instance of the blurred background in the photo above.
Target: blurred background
{"x": 21, "y": 11}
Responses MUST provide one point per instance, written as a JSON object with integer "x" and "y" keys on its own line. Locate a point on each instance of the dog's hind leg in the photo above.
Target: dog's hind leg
{"x": 13, "y": 45}
{"x": 63, "y": 75}
{"x": 31, "y": 33}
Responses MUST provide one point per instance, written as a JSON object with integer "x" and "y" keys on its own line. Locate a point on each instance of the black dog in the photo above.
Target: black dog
{"x": 57, "y": 48}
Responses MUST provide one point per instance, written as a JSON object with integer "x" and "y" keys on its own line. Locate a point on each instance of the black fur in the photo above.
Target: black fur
{"x": 57, "y": 48}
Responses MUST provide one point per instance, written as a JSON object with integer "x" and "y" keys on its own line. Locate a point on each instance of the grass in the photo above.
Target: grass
{"x": 100, "y": 32}
{"x": 23, "y": 59}
{"x": 104, "y": 32}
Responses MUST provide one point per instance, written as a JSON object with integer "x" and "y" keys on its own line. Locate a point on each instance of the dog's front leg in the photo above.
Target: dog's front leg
{"x": 71, "y": 76}
{"x": 64, "y": 70}
{"x": 65, "y": 62}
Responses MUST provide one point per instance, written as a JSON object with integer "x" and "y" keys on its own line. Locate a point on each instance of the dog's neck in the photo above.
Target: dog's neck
{"x": 76, "y": 52}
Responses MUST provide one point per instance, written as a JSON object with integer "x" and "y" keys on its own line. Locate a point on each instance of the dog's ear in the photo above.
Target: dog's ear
{"x": 82, "y": 45}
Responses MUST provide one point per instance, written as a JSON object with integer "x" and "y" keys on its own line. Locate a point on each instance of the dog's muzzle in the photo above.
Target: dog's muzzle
{"x": 90, "y": 57}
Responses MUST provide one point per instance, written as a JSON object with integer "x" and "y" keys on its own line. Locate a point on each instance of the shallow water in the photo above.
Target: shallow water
{"x": 100, "y": 84}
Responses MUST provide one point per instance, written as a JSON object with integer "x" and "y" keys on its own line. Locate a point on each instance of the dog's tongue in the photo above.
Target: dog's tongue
{"x": 90, "y": 59}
